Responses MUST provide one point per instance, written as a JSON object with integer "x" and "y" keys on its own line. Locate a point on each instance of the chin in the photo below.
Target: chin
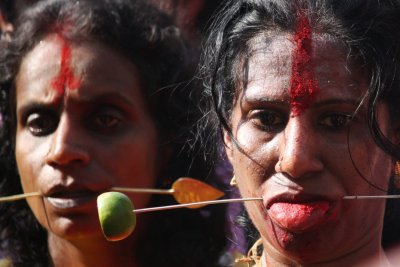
{"x": 306, "y": 247}
{"x": 75, "y": 227}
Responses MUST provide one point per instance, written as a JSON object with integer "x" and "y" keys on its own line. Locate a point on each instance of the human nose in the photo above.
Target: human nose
{"x": 299, "y": 150}
{"x": 66, "y": 145}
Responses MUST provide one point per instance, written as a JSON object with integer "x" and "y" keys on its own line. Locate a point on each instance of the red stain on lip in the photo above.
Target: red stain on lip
{"x": 303, "y": 84}
{"x": 65, "y": 78}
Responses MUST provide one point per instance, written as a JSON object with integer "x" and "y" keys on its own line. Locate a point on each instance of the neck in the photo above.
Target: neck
{"x": 91, "y": 252}
{"x": 369, "y": 255}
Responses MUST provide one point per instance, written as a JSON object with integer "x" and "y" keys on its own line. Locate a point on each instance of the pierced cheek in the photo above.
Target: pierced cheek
{"x": 303, "y": 84}
{"x": 39, "y": 209}
{"x": 65, "y": 78}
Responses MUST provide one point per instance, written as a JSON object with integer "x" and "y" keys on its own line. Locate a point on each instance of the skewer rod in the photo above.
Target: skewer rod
{"x": 171, "y": 191}
{"x": 371, "y": 197}
{"x": 170, "y": 207}
{"x": 20, "y": 196}
{"x": 144, "y": 190}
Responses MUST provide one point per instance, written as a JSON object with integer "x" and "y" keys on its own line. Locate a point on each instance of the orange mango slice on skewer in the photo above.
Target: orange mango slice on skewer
{"x": 188, "y": 190}
{"x": 116, "y": 211}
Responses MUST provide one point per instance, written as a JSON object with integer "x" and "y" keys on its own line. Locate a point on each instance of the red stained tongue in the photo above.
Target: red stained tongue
{"x": 299, "y": 216}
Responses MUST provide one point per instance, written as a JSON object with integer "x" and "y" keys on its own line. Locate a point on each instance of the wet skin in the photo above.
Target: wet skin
{"x": 75, "y": 143}
{"x": 302, "y": 162}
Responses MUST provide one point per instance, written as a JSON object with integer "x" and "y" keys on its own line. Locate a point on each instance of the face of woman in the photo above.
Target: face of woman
{"x": 303, "y": 161}
{"x": 82, "y": 127}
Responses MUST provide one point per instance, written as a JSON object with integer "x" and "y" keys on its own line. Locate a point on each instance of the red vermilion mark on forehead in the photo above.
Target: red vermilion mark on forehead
{"x": 65, "y": 78}
{"x": 303, "y": 84}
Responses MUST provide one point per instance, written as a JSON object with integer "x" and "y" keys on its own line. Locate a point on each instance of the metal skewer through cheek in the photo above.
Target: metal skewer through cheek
{"x": 221, "y": 201}
{"x": 117, "y": 214}
{"x": 19, "y": 196}
{"x": 202, "y": 203}
{"x": 144, "y": 190}
{"x": 179, "y": 191}
{"x": 37, "y": 194}
{"x": 371, "y": 197}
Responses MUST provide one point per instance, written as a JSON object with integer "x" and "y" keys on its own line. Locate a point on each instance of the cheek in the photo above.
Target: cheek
{"x": 247, "y": 139}
{"x": 134, "y": 161}
{"x": 257, "y": 144}
{"x": 255, "y": 161}
{"x": 374, "y": 166}
{"x": 138, "y": 169}
{"x": 257, "y": 215}
{"x": 364, "y": 215}
{"x": 37, "y": 206}
{"x": 27, "y": 160}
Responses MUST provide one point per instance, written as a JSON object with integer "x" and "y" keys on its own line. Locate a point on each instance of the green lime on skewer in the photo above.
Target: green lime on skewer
{"x": 116, "y": 215}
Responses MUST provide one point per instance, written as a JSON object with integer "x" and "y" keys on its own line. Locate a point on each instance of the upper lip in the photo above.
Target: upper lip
{"x": 71, "y": 194}
{"x": 290, "y": 191}
{"x": 296, "y": 198}
{"x": 73, "y": 190}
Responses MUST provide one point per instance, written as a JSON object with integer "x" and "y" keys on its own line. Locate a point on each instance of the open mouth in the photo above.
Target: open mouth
{"x": 67, "y": 200}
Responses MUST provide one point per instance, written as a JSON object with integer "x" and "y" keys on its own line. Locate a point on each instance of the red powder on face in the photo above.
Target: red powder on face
{"x": 303, "y": 84}
{"x": 65, "y": 78}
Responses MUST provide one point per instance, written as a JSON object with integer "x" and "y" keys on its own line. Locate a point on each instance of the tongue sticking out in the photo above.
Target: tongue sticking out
{"x": 299, "y": 216}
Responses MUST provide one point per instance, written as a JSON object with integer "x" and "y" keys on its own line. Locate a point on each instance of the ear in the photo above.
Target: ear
{"x": 228, "y": 145}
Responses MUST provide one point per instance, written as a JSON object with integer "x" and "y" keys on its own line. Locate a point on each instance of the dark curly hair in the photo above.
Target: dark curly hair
{"x": 149, "y": 39}
{"x": 369, "y": 30}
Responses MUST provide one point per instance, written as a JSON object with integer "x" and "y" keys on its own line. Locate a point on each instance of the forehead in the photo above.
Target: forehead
{"x": 46, "y": 56}
{"x": 40, "y": 60}
{"x": 92, "y": 63}
{"x": 270, "y": 65}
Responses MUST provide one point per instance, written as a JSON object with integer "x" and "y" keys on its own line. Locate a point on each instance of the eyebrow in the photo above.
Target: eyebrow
{"x": 317, "y": 104}
{"x": 32, "y": 106}
{"x": 37, "y": 104}
{"x": 257, "y": 99}
{"x": 106, "y": 96}
{"x": 335, "y": 101}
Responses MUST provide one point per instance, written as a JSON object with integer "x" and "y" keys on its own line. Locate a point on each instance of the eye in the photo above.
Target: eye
{"x": 41, "y": 123}
{"x": 106, "y": 119}
{"x": 336, "y": 121}
{"x": 268, "y": 120}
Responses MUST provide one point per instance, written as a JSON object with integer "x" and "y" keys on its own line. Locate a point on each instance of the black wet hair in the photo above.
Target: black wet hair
{"x": 367, "y": 29}
{"x": 148, "y": 38}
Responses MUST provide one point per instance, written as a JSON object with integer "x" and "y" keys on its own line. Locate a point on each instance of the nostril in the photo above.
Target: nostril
{"x": 64, "y": 154}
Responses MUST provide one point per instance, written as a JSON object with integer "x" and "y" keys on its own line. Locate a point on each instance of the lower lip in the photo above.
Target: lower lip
{"x": 300, "y": 217}
{"x": 70, "y": 202}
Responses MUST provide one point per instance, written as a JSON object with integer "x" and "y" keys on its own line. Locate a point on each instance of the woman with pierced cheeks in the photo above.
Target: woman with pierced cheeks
{"x": 91, "y": 100}
{"x": 306, "y": 97}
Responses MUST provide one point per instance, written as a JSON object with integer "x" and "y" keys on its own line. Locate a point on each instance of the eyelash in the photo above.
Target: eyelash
{"x": 268, "y": 120}
{"x": 43, "y": 121}
{"x": 343, "y": 119}
{"x": 104, "y": 115}
{"x": 274, "y": 121}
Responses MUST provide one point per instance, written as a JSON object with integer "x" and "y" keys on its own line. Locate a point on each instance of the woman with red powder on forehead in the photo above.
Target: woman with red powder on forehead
{"x": 305, "y": 95}
{"x": 91, "y": 100}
